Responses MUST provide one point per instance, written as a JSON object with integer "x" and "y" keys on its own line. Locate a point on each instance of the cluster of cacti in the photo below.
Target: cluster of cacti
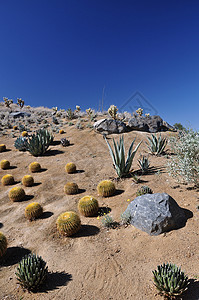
{"x": 39, "y": 142}
{"x": 89, "y": 112}
{"x": 156, "y": 145}
{"x": 144, "y": 190}
{"x": 31, "y": 272}
{"x": 112, "y": 111}
{"x": 17, "y": 194}
{"x": 5, "y": 164}
{"x": 65, "y": 142}
{"x": 88, "y": 206}
{"x": 121, "y": 166}
{"x": 21, "y": 143}
{"x": 7, "y": 102}
{"x": 139, "y": 111}
{"x": 70, "y": 114}
{"x": 106, "y": 188}
{"x": 20, "y": 102}
{"x": 144, "y": 164}
{"x": 3, "y": 244}
{"x": 2, "y": 147}
{"x": 33, "y": 211}
{"x": 24, "y": 133}
{"x": 70, "y": 168}
{"x": 170, "y": 280}
{"x": 35, "y": 167}
{"x": 68, "y": 223}
{"x": 7, "y": 179}
{"x": 71, "y": 188}
{"x": 28, "y": 180}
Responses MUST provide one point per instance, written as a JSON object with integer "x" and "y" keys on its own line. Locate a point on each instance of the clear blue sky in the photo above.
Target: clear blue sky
{"x": 62, "y": 53}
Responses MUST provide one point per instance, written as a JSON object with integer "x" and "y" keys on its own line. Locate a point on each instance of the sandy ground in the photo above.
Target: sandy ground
{"x": 97, "y": 263}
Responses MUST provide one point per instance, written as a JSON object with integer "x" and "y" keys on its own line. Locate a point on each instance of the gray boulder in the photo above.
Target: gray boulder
{"x": 19, "y": 114}
{"x": 148, "y": 124}
{"x": 156, "y": 213}
{"x": 109, "y": 126}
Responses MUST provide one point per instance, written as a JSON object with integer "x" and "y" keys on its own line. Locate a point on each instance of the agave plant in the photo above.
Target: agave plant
{"x": 156, "y": 145}
{"x": 39, "y": 142}
{"x": 31, "y": 271}
{"x": 118, "y": 156}
{"x": 144, "y": 164}
{"x": 21, "y": 144}
{"x": 170, "y": 280}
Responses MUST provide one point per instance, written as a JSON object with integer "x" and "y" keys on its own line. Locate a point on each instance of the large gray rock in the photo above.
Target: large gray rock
{"x": 18, "y": 114}
{"x": 156, "y": 213}
{"x": 109, "y": 126}
{"x": 149, "y": 124}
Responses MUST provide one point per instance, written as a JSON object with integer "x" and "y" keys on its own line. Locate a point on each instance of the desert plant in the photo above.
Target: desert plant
{"x": 184, "y": 165}
{"x": 106, "y": 188}
{"x": 88, "y": 206}
{"x": 144, "y": 190}
{"x": 139, "y": 111}
{"x": 24, "y": 133}
{"x": 28, "y": 180}
{"x": 61, "y": 131}
{"x": 5, "y": 164}
{"x": 118, "y": 156}
{"x": 70, "y": 114}
{"x": 20, "y": 102}
{"x": 21, "y": 144}
{"x": 70, "y": 168}
{"x": 17, "y": 194}
{"x": 156, "y": 145}
{"x": 33, "y": 211}
{"x": 7, "y": 179}
{"x": 3, "y": 244}
{"x": 170, "y": 280}
{"x": 179, "y": 126}
{"x": 15, "y": 127}
{"x": 68, "y": 223}
{"x": 2, "y": 147}
{"x": 7, "y": 102}
{"x": 125, "y": 218}
{"x": 35, "y": 167}
{"x": 39, "y": 142}
{"x": 112, "y": 111}
{"x": 71, "y": 188}
{"x": 65, "y": 142}
{"x": 144, "y": 164}
{"x": 107, "y": 221}
{"x": 31, "y": 271}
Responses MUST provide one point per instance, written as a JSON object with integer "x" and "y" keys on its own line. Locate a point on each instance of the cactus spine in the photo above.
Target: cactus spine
{"x": 7, "y": 179}
{"x": 68, "y": 223}
{"x": 71, "y": 188}
{"x": 33, "y": 211}
{"x": 106, "y": 188}
{"x": 17, "y": 194}
{"x": 88, "y": 206}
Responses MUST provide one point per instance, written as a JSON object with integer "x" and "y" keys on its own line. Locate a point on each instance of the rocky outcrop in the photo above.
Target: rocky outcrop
{"x": 19, "y": 114}
{"x": 156, "y": 213}
{"x": 148, "y": 124}
{"x": 109, "y": 126}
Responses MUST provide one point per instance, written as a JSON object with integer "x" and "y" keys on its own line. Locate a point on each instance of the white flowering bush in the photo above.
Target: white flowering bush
{"x": 184, "y": 165}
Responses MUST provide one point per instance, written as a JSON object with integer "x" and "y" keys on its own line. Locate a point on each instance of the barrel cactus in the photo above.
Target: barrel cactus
{"x": 68, "y": 223}
{"x": 17, "y": 194}
{"x": 33, "y": 211}
{"x": 71, "y": 188}
{"x": 15, "y": 127}
{"x": 5, "y": 164}
{"x": 144, "y": 190}
{"x": 28, "y": 180}
{"x": 170, "y": 280}
{"x": 2, "y": 148}
{"x": 24, "y": 133}
{"x": 70, "y": 168}
{"x": 31, "y": 272}
{"x": 7, "y": 179}
{"x": 106, "y": 188}
{"x": 3, "y": 244}
{"x": 88, "y": 206}
{"x": 34, "y": 167}
{"x": 61, "y": 131}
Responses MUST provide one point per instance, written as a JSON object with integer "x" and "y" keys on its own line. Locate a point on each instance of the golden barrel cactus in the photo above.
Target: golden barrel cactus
{"x": 106, "y": 188}
{"x": 2, "y": 148}
{"x": 34, "y": 167}
{"x": 33, "y": 211}
{"x": 3, "y": 244}
{"x": 88, "y": 206}
{"x": 15, "y": 127}
{"x": 17, "y": 194}
{"x": 68, "y": 223}
{"x": 5, "y": 164}
{"x": 7, "y": 179}
{"x": 71, "y": 188}
{"x": 61, "y": 131}
{"x": 24, "y": 133}
{"x": 28, "y": 180}
{"x": 70, "y": 168}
